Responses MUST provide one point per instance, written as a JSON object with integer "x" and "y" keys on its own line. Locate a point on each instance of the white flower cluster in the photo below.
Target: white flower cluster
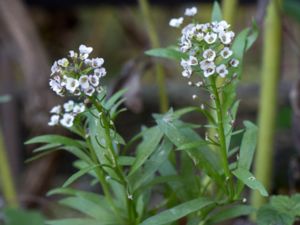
{"x": 65, "y": 114}
{"x": 78, "y": 75}
{"x": 207, "y": 46}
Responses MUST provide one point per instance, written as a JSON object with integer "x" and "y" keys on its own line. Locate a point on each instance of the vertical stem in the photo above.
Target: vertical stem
{"x": 160, "y": 76}
{"x": 268, "y": 99}
{"x": 108, "y": 141}
{"x": 229, "y": 10}
{"x": 7, "y": 183}
{"x": 221, "y": 134}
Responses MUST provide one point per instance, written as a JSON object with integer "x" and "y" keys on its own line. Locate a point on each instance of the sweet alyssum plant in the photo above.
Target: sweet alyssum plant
{"x": 174, "y": 175}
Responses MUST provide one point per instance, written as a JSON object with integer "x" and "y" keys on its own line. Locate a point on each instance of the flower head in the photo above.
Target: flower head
{"x": 68, "y": 75}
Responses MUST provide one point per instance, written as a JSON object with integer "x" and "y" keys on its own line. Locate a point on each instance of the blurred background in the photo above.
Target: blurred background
{"x": 34, "y": 33}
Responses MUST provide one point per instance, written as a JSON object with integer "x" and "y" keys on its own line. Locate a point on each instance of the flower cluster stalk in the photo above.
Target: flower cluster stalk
{"x": 153, "y": 37}
{"x": 113, "y": 157}
{"x": 268, "y": 100}
{"x": 221, "y": 135}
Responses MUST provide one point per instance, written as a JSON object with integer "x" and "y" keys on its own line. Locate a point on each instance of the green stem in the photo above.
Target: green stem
{"x": 8, "y": 187}
{"x": 160, "y": 76}
{"x": 268, "y": 100}
{"x": 101, "y": 177}
{"x": 229, "y": 10}
{"x": 221, "y": 135}
{"x": 113, "y": 156}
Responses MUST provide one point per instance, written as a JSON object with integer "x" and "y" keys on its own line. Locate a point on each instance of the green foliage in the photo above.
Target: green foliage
{"x": 21, "y": 217}
{"x": 281, "y": 210}
{"x": 168, "y": 53}
{"x": 178, "y": 212}
{"x": 193, "y": 176}
{"x": 216, "y": 12}
{"x": 292, "y": 8}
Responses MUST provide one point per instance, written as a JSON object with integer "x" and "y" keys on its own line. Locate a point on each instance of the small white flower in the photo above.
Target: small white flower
{"x": 73, "y": 54}
{"x": 55, "y": 68}
{"x": 89, "y": 91}
{"x": 192, "y": 60}
{"x": 234, "y": 62}
{"x": 68, "y": 106}
{"x": 200, "y": 36}
{"x": 176, "y": 22}
{"x": 194, "y": 96}
{"x": 56, "y": 109}
{"x": 79, "y": 108}
{"x": 210, "y": 38}
{"x": 222, "y": 70}
{"x": 94, "y": 80}
{"x": 225, "y": 37}
{"x": 226, "y": 53}
{"x": 54, "y": 119}
{"x": 205, "y": 64}
{"x": 71, "y": 84}
{"x": 190, "y": 11}
{"x": 67, "y": 120}
{"x": 83, "y": 49}
{"x": 88, "y": 62}
{"x": 84, "y": 82}
{"x": 97, "y": 62}
{"x": 101, "y": 72}
{"x": 223, "y": 24}
{"x": 56, "y": 86}
{"x": 187, "y": 73}
{"x": 185, "y": 46}
{"x": 209, "y": 71}
{"x": 63, "y": 62}
{"x": 209, "y": 55}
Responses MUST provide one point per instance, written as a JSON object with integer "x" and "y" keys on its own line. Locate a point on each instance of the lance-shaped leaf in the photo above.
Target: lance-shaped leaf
{"x": 168, "y": 53}
{"x": 151, "y": 140}
{"x": 178, "y": 212}
{"x": 248, "y": 179}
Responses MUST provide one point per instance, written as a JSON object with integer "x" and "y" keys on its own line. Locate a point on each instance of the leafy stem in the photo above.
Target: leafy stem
{"x": 221, "y": 134}
{"x": 104, "y": 117}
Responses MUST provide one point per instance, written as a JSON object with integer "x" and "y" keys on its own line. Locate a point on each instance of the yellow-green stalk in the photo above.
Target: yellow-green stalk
{"x": 268, "y": 98}
{"x": 229, "y": 8}
{"x": 7, "y": 183}
{"x": 153, "y": 37}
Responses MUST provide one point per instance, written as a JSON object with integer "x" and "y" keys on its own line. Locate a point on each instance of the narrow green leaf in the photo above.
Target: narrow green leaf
{"x": 178, "y": 212}
{"x": 46, "y": 147}
{"x": 74, "y": 221}
{"x": 252, "y": 36}
{"x": 195, "y": 144}
{"x": 180, "y": 135}
{"x": 126, "y": 160}
{"x": 230, "y": 213}
{"x": 89, "y": 208}
{"x": 152, "y": 165}
{"x": 168, "y": 53}
{"x": 216, "y": 12}
{"x": 248, "y": 179}
{"x": 239, "y": 44}
{"x": 114, "y": 98}
{"x": 248, "y": 145}
{"x": 152, "y": 137}
{"x": 56, "y": 139}
{"x": 77, "y": 175}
